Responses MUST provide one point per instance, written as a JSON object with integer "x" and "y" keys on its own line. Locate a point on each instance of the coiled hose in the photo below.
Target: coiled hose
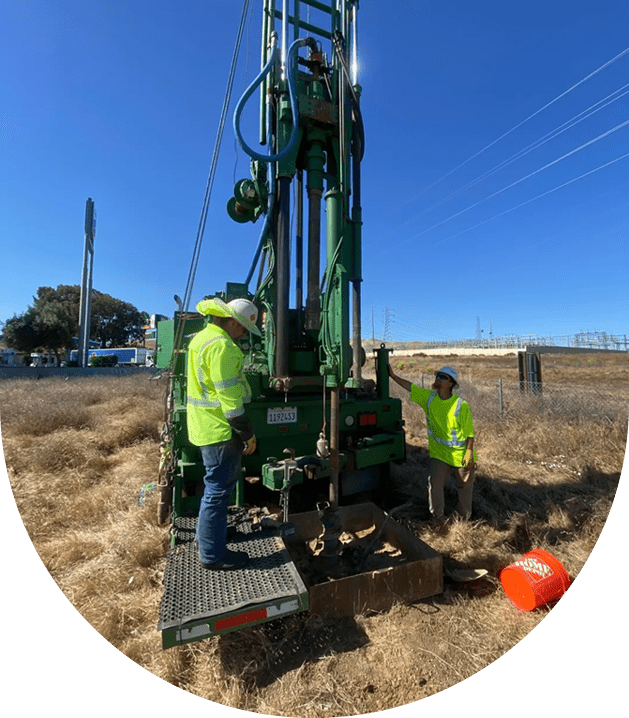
{"x": 271, "y": 158}
{"x": 292, "y": 92}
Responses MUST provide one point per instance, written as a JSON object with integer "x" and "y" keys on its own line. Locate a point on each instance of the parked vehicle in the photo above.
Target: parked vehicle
{"x": 126, "y": 356}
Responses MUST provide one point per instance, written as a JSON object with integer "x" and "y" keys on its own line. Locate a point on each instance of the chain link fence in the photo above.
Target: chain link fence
{"x": 583, "y": 340}
{"x": 491, "y": 399}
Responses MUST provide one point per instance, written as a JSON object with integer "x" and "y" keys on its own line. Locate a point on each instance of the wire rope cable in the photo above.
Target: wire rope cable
{"x": 210, "y": 181}
{"x": 358, "y": 141}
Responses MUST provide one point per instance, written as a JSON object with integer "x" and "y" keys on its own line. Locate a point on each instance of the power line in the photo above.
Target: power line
{"x": 406, "y": 328}
{"x": 569, "y": 124}
{"x": 528, "y": 201}
{"x": 522, "y": 179}
{"x": 421, "y": 327}
{"x": 530, "y": 117}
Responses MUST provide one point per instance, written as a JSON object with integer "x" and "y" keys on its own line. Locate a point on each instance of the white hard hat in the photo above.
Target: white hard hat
{"x": 245, "y": 313}
{"x": 242, "y": 310}
{"x": 450, "y": 372}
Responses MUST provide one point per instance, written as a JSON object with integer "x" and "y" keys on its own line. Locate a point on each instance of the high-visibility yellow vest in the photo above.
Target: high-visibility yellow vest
{"x": 217, "y": 387}
{"x": 449, "y": 424}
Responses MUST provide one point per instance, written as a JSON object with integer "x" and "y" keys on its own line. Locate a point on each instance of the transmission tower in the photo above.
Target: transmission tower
{"x": 479, "y": 331}
{"x": 387, "y": 316}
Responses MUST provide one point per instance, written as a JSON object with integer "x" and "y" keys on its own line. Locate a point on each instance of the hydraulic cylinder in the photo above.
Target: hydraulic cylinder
{"x": 315, "y": 168}
{"x": 282, "y": 278}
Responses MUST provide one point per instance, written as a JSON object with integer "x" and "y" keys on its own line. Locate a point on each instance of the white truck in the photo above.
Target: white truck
{"x": 129, "y": 356}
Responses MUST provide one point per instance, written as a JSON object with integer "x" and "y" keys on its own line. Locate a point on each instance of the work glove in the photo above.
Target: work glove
{"x": 468, "y": 459}
{"x": 250, "y": 446}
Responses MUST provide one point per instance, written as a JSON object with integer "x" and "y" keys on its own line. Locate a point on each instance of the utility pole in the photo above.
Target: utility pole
{"x": 85, "y": 313}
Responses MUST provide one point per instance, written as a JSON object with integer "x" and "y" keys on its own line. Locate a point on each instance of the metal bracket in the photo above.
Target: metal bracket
{"x": 290, "y": 467}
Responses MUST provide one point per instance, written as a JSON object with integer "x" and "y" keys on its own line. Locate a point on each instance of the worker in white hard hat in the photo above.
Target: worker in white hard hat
{"x": 450, "y": 439}
{"x": 217, "y": 391}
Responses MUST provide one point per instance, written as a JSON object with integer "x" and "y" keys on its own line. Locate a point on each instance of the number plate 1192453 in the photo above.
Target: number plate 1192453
{"x": 282, "y": 415}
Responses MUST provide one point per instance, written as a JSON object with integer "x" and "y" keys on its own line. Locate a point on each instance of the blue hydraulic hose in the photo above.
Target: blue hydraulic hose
{"x": 270, "y": 159}
{"x": 292, "y": 91}
{"x": 269, "y": 211}
{"x": 270, "y": 202}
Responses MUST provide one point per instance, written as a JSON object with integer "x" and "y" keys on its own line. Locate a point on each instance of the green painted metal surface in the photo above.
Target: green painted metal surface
{"x": 305, "y": 349}
{"x": 309, "y": 268}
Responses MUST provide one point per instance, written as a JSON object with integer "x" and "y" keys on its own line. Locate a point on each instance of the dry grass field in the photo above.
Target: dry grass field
{"x": 78, "y": 453}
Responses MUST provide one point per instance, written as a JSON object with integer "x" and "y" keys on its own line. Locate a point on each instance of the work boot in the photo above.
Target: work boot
{"x": 231, "y": 560}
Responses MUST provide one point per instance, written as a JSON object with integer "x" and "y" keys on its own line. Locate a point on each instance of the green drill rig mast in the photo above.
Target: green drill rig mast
{"x": 309, "y": 397}
{"x": 311, "y": 123}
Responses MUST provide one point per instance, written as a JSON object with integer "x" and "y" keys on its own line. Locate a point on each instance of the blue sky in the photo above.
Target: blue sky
{"x": 120, "y": 102}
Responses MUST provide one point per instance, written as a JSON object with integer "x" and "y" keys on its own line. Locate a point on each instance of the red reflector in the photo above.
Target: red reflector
{"x": 283, "y": 428}
{"x": 367, "y": 419}
{"x": 240, "y": 620}
{"x": 386, "y": 407}
{"x": 303, "y": 427}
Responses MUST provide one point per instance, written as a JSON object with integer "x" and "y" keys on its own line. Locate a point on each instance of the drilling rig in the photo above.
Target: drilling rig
{"x": 318, "y": 421}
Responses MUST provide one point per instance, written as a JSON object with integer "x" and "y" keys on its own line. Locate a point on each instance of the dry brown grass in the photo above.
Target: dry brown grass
{"x": 79, "y": 451}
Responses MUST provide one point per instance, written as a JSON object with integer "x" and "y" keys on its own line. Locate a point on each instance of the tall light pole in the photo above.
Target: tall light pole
{"x": 85, "y": 313}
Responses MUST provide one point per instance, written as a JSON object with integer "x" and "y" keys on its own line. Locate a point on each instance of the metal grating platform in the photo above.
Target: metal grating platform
{"x": 193, "y": 594}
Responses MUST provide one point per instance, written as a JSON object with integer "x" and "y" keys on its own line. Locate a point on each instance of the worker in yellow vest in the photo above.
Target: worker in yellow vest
{"x": 217, "y": 391}
{"x": 450, "y": 439}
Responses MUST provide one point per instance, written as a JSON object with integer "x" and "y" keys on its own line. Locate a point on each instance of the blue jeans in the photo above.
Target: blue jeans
{"x": 222, "y": 469}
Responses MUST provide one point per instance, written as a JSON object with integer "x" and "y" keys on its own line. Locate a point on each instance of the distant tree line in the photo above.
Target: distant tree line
{"x": 52, "y": 322}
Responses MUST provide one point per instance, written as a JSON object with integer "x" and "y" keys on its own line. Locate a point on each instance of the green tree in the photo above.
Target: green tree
{"x": 114, "y": 322}
{"x": 20, "y": 332}
{"x": 66, "y": 296}
{"x": 55, "y": 327}
{"x": 53, "y": 320}
{"x": 42, "y": 328}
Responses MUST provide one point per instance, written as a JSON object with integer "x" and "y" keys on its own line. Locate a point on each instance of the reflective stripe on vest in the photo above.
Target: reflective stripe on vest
{"x": 454, "y": 442}
{"x": 201, "y": 376}
{"x": 226, "y": 384}
{"x": 205, "y": 403}
{"x": 213, "y": 404}
{"x": 233, "y": 413}
{"x": 234, "y": 381}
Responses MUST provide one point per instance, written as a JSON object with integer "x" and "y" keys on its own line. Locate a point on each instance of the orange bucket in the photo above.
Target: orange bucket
{"x": 534, "y": 580}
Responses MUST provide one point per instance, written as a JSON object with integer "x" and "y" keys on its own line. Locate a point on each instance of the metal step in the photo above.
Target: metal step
{"x": 198, "y": 603}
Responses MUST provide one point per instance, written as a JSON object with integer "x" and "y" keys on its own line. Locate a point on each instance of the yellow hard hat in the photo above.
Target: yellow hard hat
{"x": 242, "y": 310}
